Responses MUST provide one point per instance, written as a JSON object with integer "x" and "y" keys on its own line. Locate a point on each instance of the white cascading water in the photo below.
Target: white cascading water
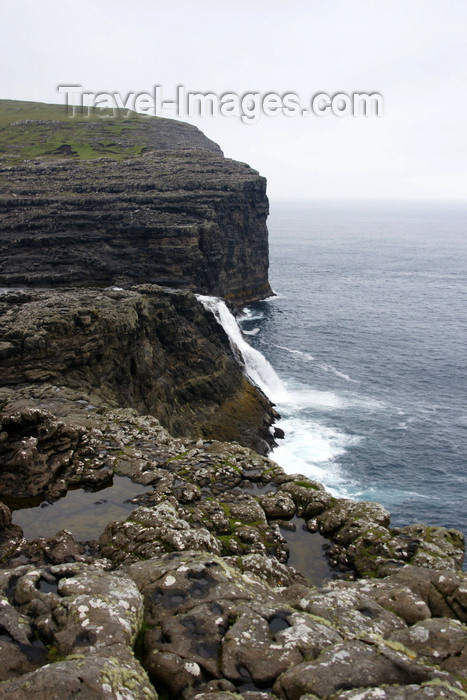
{"x": 309, "y": 447}
{"x": 257, "y": 368}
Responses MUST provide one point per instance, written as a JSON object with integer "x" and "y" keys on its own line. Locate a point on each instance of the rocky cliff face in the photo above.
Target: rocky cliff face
{"x": 126, "y": 200}
{"x": 157, "y": 351}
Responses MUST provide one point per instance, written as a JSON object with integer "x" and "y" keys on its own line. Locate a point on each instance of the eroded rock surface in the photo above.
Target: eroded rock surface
{"x": 69, "y": 631}
{"x": 193, "y": 588}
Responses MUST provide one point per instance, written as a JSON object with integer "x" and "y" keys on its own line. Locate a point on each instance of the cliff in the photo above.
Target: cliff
{"x": 126, "y": 200}
{"x": 225, "y": 577}
{"x": 159, "y": 352}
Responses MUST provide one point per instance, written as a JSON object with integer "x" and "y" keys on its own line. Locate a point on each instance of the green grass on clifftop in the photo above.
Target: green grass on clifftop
{"x": 31, "y": 130}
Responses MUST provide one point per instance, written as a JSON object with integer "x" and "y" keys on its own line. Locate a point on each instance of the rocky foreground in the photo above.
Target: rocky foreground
{"x": 192, "y": 595}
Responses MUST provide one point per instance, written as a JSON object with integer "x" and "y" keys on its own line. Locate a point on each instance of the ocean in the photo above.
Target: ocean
{"x": 366, "y": 340}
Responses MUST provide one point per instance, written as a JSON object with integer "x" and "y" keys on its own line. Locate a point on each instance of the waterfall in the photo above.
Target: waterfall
{"x": 257, "y": 368}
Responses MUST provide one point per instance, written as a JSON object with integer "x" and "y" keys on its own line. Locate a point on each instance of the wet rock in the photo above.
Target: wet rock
{"x": 20, "y": 652}
{"x": 60, "y": 549}
{"x": 19, "y": 659}
{"x": 11, "y": 539}
{"x": 37, "y": 447}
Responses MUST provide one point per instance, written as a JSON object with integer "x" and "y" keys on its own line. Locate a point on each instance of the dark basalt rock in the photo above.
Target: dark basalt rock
{"x": 219, "y": 611}
{"x": 179, "y": 214}
{"x": 147, "y": 348}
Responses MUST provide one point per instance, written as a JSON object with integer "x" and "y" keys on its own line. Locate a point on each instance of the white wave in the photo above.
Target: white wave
{"x": 301, "y": 397}
{"x": 253, "y": 331}
{"x": 311, "y": 449}
{"x": 257, "y": 368}
{"x": 249, "y": 315}
{"x": 274, "y": 295}
{"x": 329, "y": 368}
{"x": 306, "y": 355}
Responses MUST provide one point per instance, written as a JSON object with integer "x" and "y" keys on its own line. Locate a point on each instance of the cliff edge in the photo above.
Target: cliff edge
{"x": 126, "y": 199}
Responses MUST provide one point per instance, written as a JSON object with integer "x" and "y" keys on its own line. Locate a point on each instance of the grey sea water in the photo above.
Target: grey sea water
{"x": 368, "y": 333}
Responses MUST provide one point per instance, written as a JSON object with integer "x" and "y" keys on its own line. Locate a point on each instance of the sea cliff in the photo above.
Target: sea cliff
{"x": 90, "y": 200}
{"x": 227, "y": 577}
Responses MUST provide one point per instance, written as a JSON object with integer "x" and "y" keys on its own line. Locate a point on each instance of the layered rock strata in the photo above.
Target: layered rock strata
{"x": 127, "y": 200}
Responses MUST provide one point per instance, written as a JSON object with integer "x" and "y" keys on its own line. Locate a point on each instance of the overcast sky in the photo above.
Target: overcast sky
{"x": 412, "y": 52}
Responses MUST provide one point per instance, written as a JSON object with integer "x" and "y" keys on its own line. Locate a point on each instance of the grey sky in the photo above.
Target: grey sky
{"x": 413, "y": 52}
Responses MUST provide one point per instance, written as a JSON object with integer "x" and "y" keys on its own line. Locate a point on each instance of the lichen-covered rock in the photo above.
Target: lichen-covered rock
{"x": 355, "y": 664}
{"x": 359, "y": 518}
{"x": 269, "y": 569}
{"x": 80, "y": 619}
{"x": 434, "y": 546}
{"x": 396, "y": 597}
{"x": 260, "y": 646}
{"x": 379, "y": 551}
{"x": 440, "y": 641}
{"x": 205, "y": 620}
{"x": 92, "y": 677}
{"x": 349, "y": 610}
{"x": 432, "y": 690}
{"x": 278, "y": 505}
{"x": 94, "y": 607}
{"x": 151, "y": 531}
{"x": 309, "y": 496}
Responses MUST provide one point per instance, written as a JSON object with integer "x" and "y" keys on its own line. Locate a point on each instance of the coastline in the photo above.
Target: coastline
{"x": 187, "y": 592}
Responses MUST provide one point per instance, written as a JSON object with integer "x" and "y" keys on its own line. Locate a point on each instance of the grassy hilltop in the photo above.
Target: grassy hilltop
{"x": 30, "y": 130}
